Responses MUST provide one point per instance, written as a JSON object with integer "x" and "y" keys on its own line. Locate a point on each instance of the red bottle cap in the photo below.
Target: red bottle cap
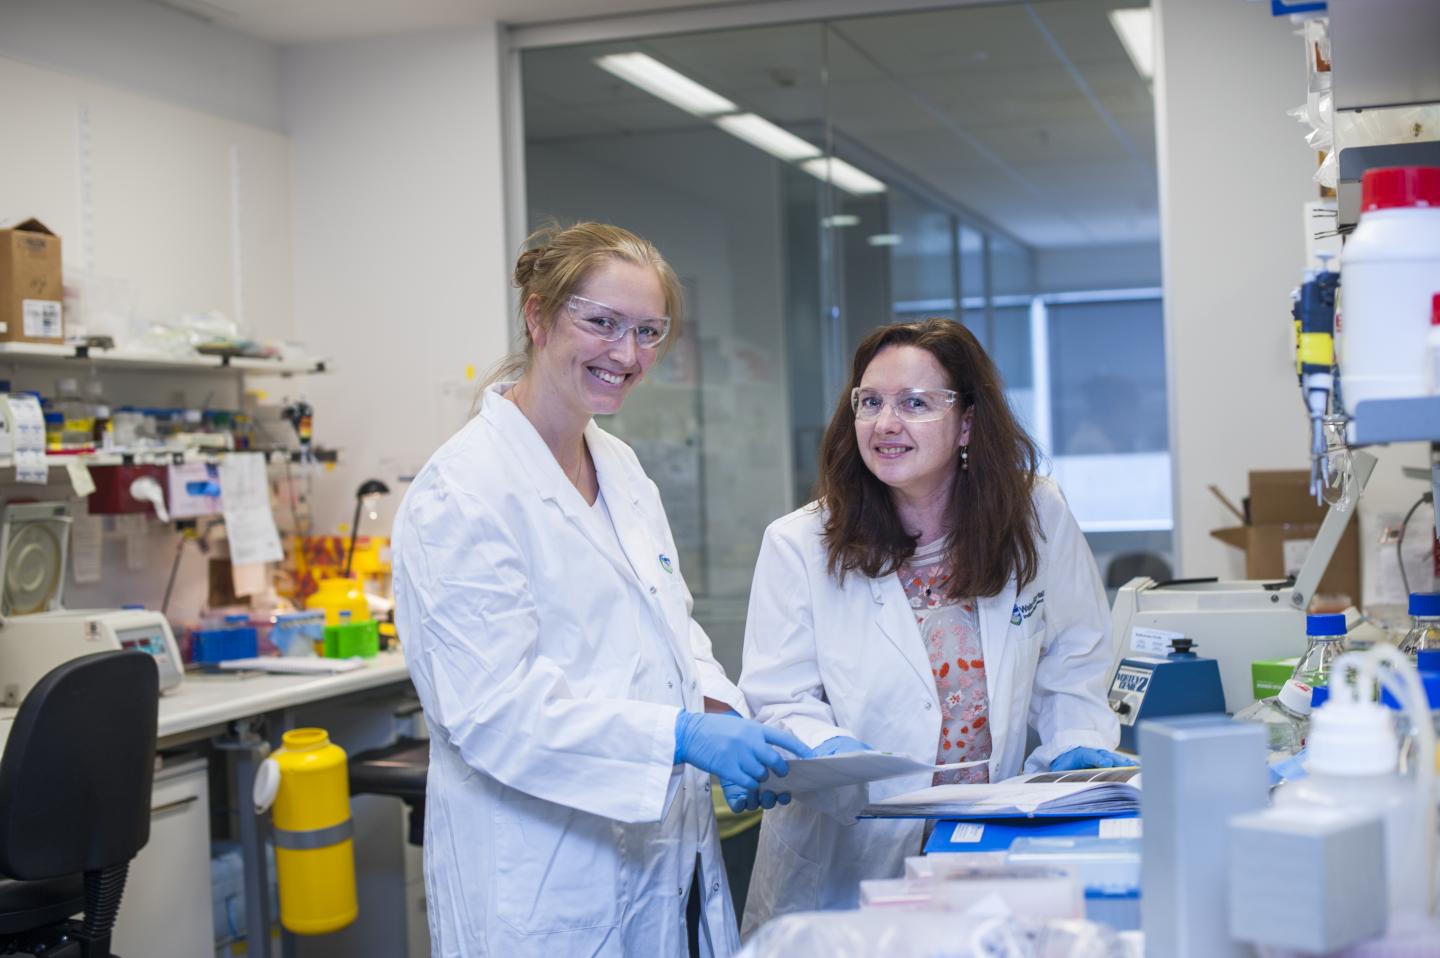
{"x": 1435, "y": 310}
{"x": 1400, "y": 186}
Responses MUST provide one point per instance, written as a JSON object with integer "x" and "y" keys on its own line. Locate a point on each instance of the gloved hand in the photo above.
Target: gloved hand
{"x": 736, "y": 749}
{"x": 840, "y": 745}
{"x": 741, "y": 799}
{"x": 1089, "y": 758}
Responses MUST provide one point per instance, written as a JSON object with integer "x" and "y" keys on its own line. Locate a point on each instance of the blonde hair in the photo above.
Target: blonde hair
{"x": 556, "y": 263}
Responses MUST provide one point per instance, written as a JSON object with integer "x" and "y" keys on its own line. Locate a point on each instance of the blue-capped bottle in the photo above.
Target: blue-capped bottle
{"x": 1424, "y": 634}
{"x": 1326, "y": 635}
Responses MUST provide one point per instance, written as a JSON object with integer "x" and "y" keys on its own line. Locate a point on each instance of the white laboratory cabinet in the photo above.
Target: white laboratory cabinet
{"x": 165, "y": 912}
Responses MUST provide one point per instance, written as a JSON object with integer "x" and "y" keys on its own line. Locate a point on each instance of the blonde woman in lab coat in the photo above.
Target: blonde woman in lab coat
{"x": 575, "y": 710}
{"x": 936, "y": 600}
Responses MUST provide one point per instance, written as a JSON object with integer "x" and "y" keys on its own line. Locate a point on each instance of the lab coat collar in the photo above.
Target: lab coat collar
{"x": 896, "y": 621}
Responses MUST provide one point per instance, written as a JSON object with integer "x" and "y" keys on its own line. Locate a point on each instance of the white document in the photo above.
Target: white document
{"x": 853, "y": 768}
{"x": 134, "y": 528}
{"x": 249, "y": 524}
{"x": 87, "y": 543}
{"x": 293, "y": 666}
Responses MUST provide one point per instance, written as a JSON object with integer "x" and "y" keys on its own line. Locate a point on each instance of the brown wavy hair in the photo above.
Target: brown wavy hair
{"x": 991, "y": 514}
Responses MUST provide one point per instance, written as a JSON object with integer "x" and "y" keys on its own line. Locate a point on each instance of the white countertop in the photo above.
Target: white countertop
{"x": 204, "y": 699}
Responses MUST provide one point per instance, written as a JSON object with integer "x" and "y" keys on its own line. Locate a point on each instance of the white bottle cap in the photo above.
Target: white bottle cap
{"x": 1295, "y": 696}
{"x": 1352, "y": 738}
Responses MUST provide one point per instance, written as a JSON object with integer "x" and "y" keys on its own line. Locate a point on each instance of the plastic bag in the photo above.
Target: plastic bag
{"x": 930, "y": 934}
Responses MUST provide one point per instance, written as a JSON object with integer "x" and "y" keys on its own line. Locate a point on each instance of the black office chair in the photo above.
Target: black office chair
{"x": 75, "y": 784}
{"x": 398, "y": 770}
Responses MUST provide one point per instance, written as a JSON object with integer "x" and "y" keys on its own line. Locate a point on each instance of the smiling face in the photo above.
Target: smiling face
{"x": 578, "y": 370}
{"x": 917, "y": 459}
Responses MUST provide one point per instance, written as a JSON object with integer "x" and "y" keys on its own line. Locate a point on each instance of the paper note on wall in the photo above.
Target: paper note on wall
{"x": 249, "y": 524}
{"x": 87, "y": 542}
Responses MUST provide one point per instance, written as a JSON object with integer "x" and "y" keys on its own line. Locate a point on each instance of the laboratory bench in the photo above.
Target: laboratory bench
{"x": 233, "y": 719}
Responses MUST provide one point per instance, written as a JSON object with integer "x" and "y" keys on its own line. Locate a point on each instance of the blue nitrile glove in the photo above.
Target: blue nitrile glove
{"x": 741, "y": 799}
{"x": 839, "y": 745}
{"x": 736, "y": 749}
{"x": 1089, "y": 758}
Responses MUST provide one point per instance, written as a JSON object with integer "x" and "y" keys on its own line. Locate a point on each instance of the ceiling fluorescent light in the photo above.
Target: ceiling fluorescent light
{"x": 1136, "y": 28}
{"x": 839, "y": 220}
{"x": 850, "y": 179}
{"x": 762, "y": 134}
{"x": 884, "y": 239}
{"x": 655, "y": 78}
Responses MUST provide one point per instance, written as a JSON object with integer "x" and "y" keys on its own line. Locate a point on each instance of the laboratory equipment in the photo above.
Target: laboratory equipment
{"x": 1199, "y": 771}
{"x": 347, "y": 639}
{"x": 1285, "y": 718}
{"x": 1146, "y": 687}
{"x": 1312, "y": 882}
{"x": 1325, "y": 638}
{"x": 368, "y": 498}
{"x": 1239, "y": 621}
{"x": 307, "y": 782}
{"x": 299, "y": 634}
{"x": 235, "y": 638}
{"x": 1424, "y": 634}
{"x": 31, "y": 645}
{"x": 1314, "y": 314}
{"x": 1390, "y": 269}
{"x": 334, "y": 596}
{"x": 34, "y": 542}
{"x": 1108, "y": 870}
{"x": 1353, "y": 763}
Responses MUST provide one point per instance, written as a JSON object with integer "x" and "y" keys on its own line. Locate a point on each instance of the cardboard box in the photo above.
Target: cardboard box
{"x": 31, "y": 290}
{"x": 1281, "y": 521}
{"x": 1267, "y": 675}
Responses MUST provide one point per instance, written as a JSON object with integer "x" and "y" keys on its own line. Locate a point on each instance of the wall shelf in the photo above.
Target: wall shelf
{"x": 45, "y": 353}
{"x": 173, "y": 457}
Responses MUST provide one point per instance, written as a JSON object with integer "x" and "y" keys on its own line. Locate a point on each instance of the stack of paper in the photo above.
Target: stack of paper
{"x": 1097, "y": 791}
{"x": 853, "y": 768}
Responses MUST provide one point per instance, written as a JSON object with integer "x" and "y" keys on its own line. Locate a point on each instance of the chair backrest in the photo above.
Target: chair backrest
{"x": 1128, "y": 565}
{"x": 78, "y": 767}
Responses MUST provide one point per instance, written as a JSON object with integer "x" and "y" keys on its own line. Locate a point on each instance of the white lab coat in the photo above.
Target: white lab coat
{"x": 551, "y": 670}
{"x": 825, "y": 659}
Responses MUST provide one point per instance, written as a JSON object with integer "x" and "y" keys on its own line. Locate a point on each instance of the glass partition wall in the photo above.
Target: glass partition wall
{"x": 811, "y": 181}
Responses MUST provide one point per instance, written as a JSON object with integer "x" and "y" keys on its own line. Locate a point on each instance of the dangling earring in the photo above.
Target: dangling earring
{"x": 964, "y": 458}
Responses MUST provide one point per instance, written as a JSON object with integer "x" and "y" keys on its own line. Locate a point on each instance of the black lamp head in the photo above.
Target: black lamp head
{"x": 372, "y": 487}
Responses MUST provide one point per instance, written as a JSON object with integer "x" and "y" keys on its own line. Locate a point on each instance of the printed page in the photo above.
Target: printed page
{"x": 854, "y": 768}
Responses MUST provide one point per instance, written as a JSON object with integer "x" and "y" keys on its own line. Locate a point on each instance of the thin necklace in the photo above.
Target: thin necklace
{"x": 575, "y": 479}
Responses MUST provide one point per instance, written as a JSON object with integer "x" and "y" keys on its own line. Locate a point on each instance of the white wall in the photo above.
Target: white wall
{"x": 401, "y": 260}
{"x": 1234, "y": 172}
{"x": 149, "y": 49}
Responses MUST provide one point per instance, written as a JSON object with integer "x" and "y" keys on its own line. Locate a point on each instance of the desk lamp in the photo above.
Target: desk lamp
{"x": 368, "y": 495}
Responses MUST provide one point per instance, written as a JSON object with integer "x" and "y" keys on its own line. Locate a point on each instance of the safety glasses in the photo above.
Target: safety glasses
{"x": 910, "y": 405}
{"x": 611, "y": 325}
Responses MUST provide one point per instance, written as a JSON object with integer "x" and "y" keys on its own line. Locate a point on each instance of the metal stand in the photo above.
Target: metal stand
{"x": 249, "y": 749}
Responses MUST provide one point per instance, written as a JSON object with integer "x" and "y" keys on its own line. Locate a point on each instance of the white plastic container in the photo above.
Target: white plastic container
{"x": 1353, "y": 762}
{"x": 1286, "y": 718}
{"x": 1389, "y": 275}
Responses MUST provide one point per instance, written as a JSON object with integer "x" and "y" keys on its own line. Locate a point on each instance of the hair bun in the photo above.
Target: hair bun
{"x": 527, "y": 265}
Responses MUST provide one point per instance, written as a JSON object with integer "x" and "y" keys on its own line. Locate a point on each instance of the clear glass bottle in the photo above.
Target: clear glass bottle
{"x": 1286, "y": 718}
{"x": 1326, "y": 634}
{"x": 1424, "y": 634}
{"x": 79, "y": 421}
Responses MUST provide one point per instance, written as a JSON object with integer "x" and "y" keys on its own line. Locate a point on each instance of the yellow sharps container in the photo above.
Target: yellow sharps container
{"x": 314, "y": 850}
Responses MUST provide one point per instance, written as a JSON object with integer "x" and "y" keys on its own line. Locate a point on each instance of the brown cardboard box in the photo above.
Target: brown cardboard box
{"x": 1281, "y": 520}
{"x": 31, "y": 293}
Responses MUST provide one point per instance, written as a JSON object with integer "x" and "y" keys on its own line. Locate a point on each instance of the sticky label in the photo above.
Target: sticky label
{"x": 41, "y": 318}
{"x": 80, "y": 479}
{"x": 967, "y": 833}
{"x": 1153, "y": 641}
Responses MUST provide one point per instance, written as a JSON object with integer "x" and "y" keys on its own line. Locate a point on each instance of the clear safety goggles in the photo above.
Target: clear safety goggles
{"x": 611, "y": 325}
{"x": 910, "y": 405}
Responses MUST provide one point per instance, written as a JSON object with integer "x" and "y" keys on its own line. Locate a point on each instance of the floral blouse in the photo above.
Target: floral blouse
{"x": 950, "y": 630}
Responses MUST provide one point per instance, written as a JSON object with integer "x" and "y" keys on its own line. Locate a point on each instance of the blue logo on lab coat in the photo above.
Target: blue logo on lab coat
{"x": 665, "y": 563}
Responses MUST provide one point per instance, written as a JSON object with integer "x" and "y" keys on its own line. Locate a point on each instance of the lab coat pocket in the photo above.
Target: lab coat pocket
{"x": 556, "y": 869}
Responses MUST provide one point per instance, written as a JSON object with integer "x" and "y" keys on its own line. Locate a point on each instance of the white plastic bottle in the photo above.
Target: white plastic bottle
{"x": 1286, "y": 718}
{"x": 1389, "y": 275}
{"x": 1432, "y": 347}
{"x": 1354, "y": 763}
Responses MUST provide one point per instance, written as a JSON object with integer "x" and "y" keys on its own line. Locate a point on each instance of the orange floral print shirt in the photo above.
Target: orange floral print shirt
{"x": 950, "y": 630}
